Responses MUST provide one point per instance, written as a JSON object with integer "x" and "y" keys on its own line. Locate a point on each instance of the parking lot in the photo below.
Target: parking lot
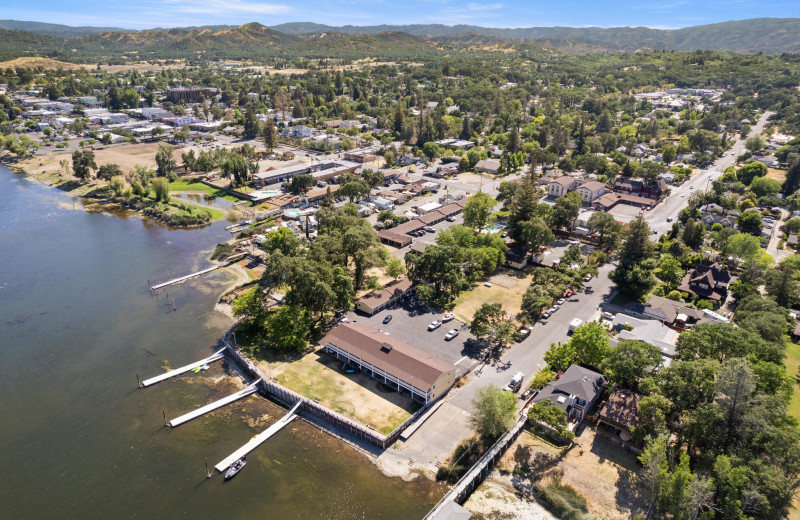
{"x": 410, "y": 324}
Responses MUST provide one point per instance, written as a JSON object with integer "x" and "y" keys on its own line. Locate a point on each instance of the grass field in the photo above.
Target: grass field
{"x": 470, "y": 301}
{"x": 196, "y": 186}
{"x": 354, "y": 395}
{"x": 778, "y": 175}
{"x": 792, "y": 367}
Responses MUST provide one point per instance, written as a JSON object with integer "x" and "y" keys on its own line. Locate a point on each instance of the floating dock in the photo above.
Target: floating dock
{"x": 253, "y": 388}
{"x": 198, "y": 273}
{"x": 258, "y": 439}
{"x": 166, "y": 375}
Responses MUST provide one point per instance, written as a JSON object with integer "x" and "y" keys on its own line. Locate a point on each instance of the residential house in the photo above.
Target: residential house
{"x": 395, "y": 363}
{"x": 516, "y": 256}
{"x": 639, "y": 187}
{"x": 617, "y": 416}
{"x": 650, "y": 331}
{"x": 575, "y": 392}
{"x": 671, "y": 313}
{"x": 707, "y": 281}
{"x": 488, "y": 166}
{"x": 376, "y": 301}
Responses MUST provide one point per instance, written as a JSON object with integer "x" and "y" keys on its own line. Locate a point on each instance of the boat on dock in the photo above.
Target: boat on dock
{"x": 235, "y": 468}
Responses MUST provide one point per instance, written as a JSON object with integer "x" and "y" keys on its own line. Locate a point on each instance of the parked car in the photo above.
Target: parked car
{"x": 450, "y": 219}
{"x": 608, "y": 316}
{"x": 691, "y": 187}
{"x": 561, "y": 301}
{"x": 669, "y": 219}
{"x": 523, "y": 333}
{"x": 504, "y": 235}
{"x": 515, "y": 383}
{"x": 547, "y": 314}
{"x": 487, "y": 284}
{"x": 587, "y": 277}
{"x": 435, "y": 324}
{"x": 430, "y": 229}
{"x": 569, "y": 293}
{"x": 387, "y": 319}
{"x": 452, "y": 333}
{"x": 447, "y": 317}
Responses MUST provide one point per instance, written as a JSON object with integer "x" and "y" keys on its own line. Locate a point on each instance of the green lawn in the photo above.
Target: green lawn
{"x": 792, "y": 367}
{"x": 188, "y": 185}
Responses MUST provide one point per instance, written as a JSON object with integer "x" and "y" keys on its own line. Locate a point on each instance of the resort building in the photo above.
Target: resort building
{"x": 395, "y": 363}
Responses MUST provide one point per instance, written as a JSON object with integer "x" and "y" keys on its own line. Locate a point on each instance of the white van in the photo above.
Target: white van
{"x": 515, "y": 383}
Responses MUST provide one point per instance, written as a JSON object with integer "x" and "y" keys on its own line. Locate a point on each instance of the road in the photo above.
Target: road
{"x": 679, "y": 196}
{"x": 528, "y": 356}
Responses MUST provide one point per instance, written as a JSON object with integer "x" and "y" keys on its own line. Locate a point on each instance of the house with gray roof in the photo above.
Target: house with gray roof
{"x": 650, "y": 331}
{"x": 575, "y": 392}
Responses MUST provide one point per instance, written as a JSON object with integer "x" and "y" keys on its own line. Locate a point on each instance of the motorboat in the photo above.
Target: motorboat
{"x": 235, "y": 468}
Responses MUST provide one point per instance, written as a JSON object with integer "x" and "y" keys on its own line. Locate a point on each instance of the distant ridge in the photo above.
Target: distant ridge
{"x": 305, "y": 39}
{"x": 54, "y": 29}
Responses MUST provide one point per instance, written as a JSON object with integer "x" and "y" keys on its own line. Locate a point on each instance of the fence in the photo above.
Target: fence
{"x": 464, "y": 487}
{"x": 314, "y": 409}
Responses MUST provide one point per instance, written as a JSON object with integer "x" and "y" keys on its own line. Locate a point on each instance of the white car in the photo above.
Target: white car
{"x": 683, "y": 194}
{"x": 547, "y": 314}
{"x": 451, "y": 334}
{"x": 435, "y": 324}
{"x": 487, "y": 284}
{"x": 561, "y": 301}
{"x": 447, "y": 317}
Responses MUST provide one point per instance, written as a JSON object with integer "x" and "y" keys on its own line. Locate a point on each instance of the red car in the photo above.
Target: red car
{"x": 569, "y": 293}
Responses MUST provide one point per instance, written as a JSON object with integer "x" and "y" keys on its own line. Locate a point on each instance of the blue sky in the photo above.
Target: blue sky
{"x": 143, "y": 14}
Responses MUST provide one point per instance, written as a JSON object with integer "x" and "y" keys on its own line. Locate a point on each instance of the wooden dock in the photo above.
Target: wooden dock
{"x": 259, "y": 439}
{"x": 166, "y": 375}
{"x": 198, "y": 273}
{"x": 253, "y": 388}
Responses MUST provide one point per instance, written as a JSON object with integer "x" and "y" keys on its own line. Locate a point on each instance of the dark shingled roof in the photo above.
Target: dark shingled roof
{"x": 622, "y": 407}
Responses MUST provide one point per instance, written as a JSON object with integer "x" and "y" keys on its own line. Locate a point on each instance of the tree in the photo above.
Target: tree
{"x": 669, "y": 270}
{"x": 634, "y": 275}
{"x": 372, "y": 177}
{"x": 750, "y": 222}
{"x": 560, "y": 356}
{"x": 352, "y": 187}
{"x": 165, "y": 162}
{"x": 477, "y": 210}
{"x": 591, "y": 344}
{"x": 161, "y": 189}
{"x": 566, "y": 210}
{"x": 282, "y": 239}
{"x": 694, "y": 233}
{"x": 669, "y": 154}
{"x": 534, "y": 234}
{"x": 107, "y": 171}
{"x": 742, "y": 248}
{"x": 301, "y": 183}
{"x": 608, "y": 230}
{"x": 535, "y": 301}
{"x": 765, "y": 187}
{"x": 550, "y": 414}
{"x": 493, "y": 324}
{"x": 286, "y": 328}
{"x": 251, "y": 126}
{"x": 253, "y": 304}
{"x": 270, "y": 135}
{"x": 494, "y": 411}
{"x": 735, "y": 386}
{"x": 782, "y": 285}
{"x": 750, "y": 171}
{"x": 626, "y": 363}
{"x": 395, "y": 268}
{"x": 755, "y": 143}
{"x": 83, "y": 163}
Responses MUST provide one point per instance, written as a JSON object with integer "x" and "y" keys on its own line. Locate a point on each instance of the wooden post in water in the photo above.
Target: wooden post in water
{"x": 165, "y": 417}
{"x": 138, "y": 381}
{"x": 208, "y": 473}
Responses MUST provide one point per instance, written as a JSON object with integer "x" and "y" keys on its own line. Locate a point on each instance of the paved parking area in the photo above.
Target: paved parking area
{"x": 410, "y": 324}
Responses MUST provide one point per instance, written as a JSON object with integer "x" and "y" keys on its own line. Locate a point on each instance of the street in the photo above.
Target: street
{"x": 674, "y": 203}
{"x": 528, "y": 356}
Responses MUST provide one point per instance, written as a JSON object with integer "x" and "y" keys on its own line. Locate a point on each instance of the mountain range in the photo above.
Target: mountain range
{"x": 253, "y": 40}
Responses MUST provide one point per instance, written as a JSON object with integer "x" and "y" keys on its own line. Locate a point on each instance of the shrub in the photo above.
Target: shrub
{"x": 564, "y": 501}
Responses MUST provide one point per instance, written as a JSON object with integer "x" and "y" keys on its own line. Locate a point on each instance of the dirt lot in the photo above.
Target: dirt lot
{"x": 355, "y": 395}
{"x": 126, "y": 156}
{"x": 496, "y": 499}
{"x": 470, "y": 301}
{"x": 602, "y": 472}
{"x": 778, "y": 175}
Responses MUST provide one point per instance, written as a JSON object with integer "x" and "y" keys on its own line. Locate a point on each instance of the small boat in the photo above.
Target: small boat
{"x": 235, "y": 468}
{"x": 196, "y": 369}
{"x": 204, "y": 367}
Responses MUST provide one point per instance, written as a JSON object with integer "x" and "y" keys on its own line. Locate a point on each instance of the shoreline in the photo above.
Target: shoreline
{"x": 388, "y": 462}
{"x": 84, "y": 189}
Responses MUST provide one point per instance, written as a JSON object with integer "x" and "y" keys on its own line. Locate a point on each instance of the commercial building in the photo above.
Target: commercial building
{"x": 376, "y": 301}
{"x": 395, "y": 363}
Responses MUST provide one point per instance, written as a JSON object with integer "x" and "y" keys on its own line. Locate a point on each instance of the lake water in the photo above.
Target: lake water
{"x": 78, "y": 440}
